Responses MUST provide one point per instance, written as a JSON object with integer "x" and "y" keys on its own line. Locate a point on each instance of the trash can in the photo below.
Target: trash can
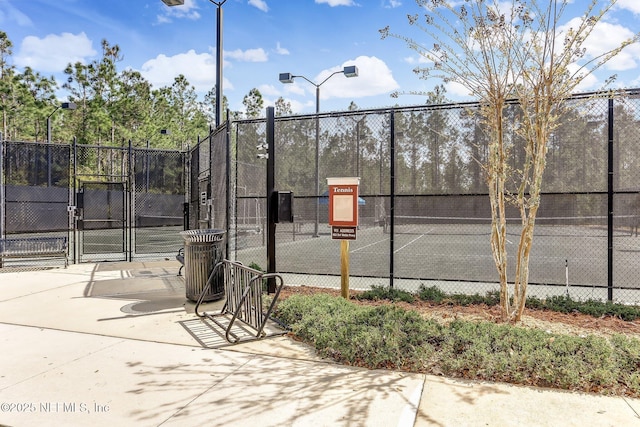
{"x": 203, "y": 249}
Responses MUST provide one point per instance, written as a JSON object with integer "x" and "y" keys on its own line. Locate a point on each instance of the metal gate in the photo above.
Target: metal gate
{"x": 111, "y": 203}
{"x": 103, "y": 223}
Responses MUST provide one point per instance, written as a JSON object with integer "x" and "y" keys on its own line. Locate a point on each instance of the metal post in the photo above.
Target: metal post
{"x": 315, "y": 229}
{"x": 75, "y": 198}
{"x": 129, "y": 219}
{"x": 358, "y": 147}
{"x": 271, "y": 220}
{"x": 49, "y": 147}
{"x": 228, "y": 183}
{"x": 610, "y": 203}
{"x": 219, "y": 63}
{"x": 392, "y": 184}
{"x": 210, "y": 211}
{"x": 146, "y": 162}
{"x": 2, "y": 201}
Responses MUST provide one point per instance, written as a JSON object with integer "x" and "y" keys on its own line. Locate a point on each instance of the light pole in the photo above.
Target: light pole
{"x": 348, "y": 71}
{"x": 64, "y": 106}
{"x": 218, "y": 53}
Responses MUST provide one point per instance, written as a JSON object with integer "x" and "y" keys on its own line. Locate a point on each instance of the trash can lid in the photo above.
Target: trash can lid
{"x": 205, "y": 235}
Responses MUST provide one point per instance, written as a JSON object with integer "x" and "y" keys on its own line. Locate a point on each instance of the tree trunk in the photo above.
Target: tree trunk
{"x": 496, "y": 180}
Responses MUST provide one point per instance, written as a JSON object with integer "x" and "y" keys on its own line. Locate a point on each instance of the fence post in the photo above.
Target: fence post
{"x": 75, "y": 199}
{"x": 392, "y": 184}
{"x": 610, "y": 202}
{"x": 130, "y": 220}
{"x": 1, "y": 190}
{"x": 228, "y": 183}
{"x": 271, "y": 220}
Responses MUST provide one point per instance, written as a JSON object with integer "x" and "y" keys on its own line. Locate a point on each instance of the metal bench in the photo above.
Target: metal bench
{"x": 243, "y": 287}
{"x": 34, "y": 247}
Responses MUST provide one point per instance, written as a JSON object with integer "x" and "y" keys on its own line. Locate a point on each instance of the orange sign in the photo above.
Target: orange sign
{"x": 343, "y": 205}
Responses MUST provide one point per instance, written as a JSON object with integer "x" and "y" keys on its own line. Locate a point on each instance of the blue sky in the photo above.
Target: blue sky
{"x": 263, "y": 38}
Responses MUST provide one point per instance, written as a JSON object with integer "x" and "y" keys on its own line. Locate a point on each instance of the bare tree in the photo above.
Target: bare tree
{"x": 512, "y": 50}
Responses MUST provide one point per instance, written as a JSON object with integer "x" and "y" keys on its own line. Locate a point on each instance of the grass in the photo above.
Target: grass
{"x": 389, "y": 336}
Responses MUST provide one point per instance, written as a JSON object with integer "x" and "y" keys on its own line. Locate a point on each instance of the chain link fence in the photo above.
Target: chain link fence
{"x": 424, "y": 206}
{"x": 110, "y": 203}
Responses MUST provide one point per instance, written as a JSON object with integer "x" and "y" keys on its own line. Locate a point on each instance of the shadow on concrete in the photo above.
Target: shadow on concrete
{"x": 291, "y": 392}
{"x": 157, "y": 288}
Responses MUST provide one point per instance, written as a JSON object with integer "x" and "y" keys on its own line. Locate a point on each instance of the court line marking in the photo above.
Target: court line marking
{"x": 404, "y": 246}
{"x": 370, "y": 244}
{"x": 387, "y": 239}
{"x": 419, "y": 237}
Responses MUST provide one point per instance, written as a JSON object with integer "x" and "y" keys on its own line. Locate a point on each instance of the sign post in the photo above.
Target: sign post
{"x": 343, "y": 219}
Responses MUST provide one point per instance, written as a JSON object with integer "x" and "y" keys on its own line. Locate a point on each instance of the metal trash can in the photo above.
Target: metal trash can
{"x": 203, "y": 249}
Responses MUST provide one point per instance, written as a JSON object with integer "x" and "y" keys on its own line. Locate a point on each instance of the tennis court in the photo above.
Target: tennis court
{"x": 455, "y": 253}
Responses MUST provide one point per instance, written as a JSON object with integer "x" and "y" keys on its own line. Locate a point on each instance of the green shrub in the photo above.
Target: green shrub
{"x": 389, "y": 336}
{"x": 438, "y": 296}
{"x": 558, "y": 303}
{"x": 565, "y": 304}
{"x": 377, "y": 293}
{"x": 378, "y": 337}
{"x": 431, "y": 293}
{"x": 256, "y": 267}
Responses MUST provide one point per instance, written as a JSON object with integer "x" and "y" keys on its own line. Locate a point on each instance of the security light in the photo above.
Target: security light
{"x": 173, "y": 2}
{"x": 286, "y": 78}
{"x": 350, "y": 71}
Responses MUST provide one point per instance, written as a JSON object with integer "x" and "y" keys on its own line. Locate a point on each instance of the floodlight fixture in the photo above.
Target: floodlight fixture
{"x": 173, "y": 2}
{"x": 286, "y": 78}
{"x": 350, "y": 71}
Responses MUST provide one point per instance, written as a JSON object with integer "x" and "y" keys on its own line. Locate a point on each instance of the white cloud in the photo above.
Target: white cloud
{"x": 281, "y": 50}
{"x": 457, "y": 90}
{"x": 604, "y": 38}
{"x": 249, "y": 55}
{"x": 260, "y": 4}
{"x": 393, "y": 4}
{"x": 334, "y": 3}
{"x": 54, "y": 52}
{"x": 631, "y": 5}
{"x": 295, "y": 88}
{"x": 297, "y": 106}
{"x": 416, "y": 60}
{"x": 589, "y": 82}
{"x": 198, "y": 68}
{"x": 269, "y": 90}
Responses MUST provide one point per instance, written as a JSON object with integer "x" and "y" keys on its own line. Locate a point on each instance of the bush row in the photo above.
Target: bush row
{"x": 561, "y": 303}
{"x": 391, "y": 337}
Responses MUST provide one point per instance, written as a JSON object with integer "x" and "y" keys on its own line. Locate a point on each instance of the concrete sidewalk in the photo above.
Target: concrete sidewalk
{"x": 117, "y": 344}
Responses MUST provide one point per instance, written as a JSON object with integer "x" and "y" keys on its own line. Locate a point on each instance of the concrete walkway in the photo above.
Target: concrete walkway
{"x": 117, "y": 344}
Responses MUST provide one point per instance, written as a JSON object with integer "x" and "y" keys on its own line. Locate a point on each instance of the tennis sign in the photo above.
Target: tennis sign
{"x": 343, "y": 207}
